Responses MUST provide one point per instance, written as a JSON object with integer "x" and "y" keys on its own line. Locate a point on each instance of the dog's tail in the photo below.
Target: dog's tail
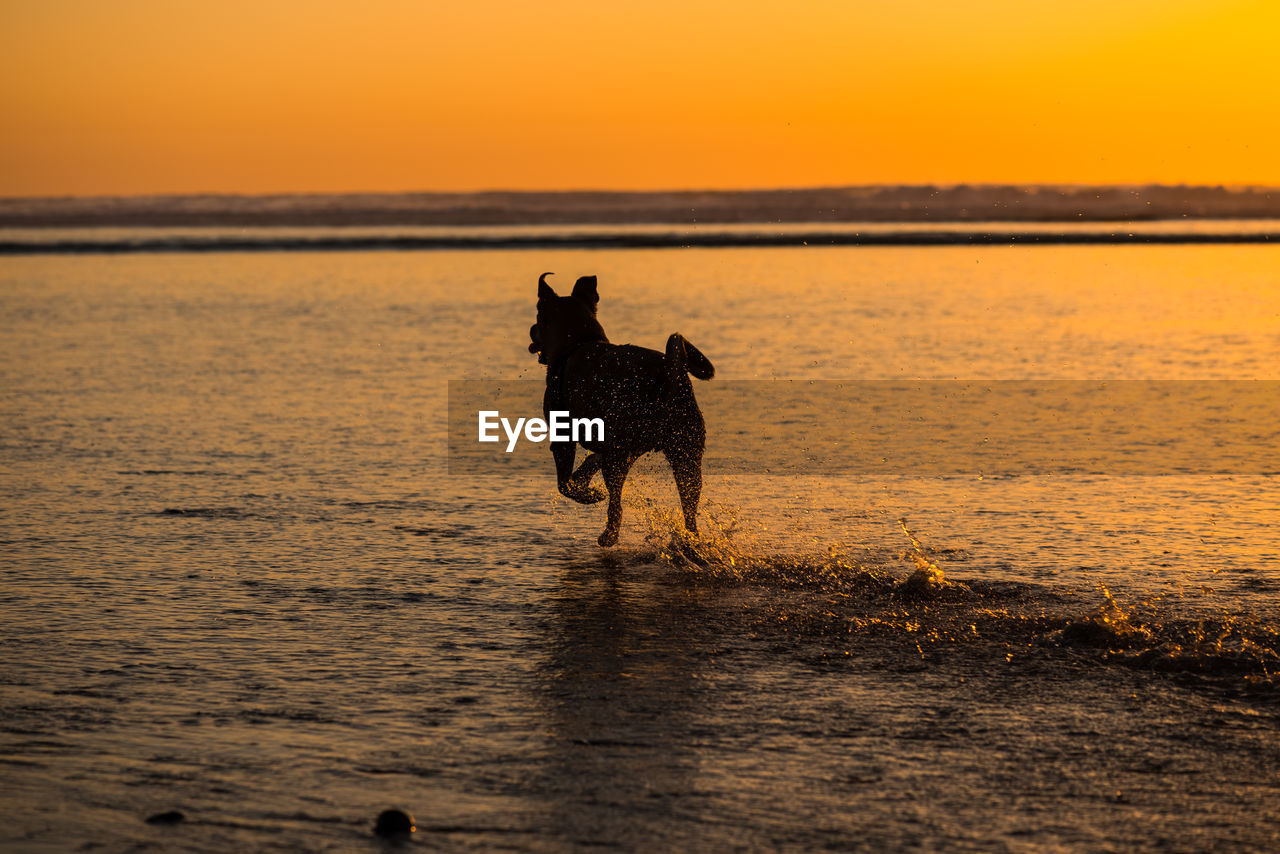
{"x": 683, "y": 356}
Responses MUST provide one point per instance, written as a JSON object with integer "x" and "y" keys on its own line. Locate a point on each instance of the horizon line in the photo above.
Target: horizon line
{"x": 627, "y": 240}
{"x": 498, "y": 191}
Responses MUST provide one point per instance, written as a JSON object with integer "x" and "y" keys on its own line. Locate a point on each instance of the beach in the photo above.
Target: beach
{"x": 245, "y": 580}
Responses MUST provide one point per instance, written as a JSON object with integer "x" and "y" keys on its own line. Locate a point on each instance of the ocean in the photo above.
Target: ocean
{"x": 241, "y": 578}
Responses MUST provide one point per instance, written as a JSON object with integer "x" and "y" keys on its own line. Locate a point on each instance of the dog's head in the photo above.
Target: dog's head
{"x": 565, "y": 322}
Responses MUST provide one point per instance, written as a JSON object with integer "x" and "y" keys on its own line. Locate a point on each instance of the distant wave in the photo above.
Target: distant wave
{"x": 621, "y": 239}
{"x": 919, "y": 203}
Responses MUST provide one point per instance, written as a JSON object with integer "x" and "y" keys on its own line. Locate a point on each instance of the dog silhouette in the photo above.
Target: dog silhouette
{"x": 644, "y": 398}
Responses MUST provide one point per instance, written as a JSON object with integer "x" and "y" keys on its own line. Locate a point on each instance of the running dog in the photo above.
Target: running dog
{"x": 644, "y": 398}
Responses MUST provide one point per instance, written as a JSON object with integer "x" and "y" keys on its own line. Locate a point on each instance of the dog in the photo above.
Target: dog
{"x": 644, "y": 398}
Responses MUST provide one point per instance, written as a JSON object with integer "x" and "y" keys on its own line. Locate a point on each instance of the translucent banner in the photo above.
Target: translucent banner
{"x": 922, "y": 427}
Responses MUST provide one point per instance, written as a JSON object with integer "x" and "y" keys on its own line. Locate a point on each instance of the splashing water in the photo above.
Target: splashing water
{"x": 729, "y": 550}
{"x": 1142, "y": 635}
{"x": 855, "y": 593}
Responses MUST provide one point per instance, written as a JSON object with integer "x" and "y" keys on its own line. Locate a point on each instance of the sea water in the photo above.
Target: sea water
{"x": 238, "y": 579}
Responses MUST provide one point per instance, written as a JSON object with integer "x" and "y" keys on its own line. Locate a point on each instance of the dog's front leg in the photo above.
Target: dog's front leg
{"x": 580, "y": 487}
{"x": 615, "y": 468}
{"x": 576, "y": 485}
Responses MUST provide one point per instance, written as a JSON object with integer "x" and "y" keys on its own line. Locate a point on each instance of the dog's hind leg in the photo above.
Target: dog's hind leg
{"x": 576, "y": 485}
{"x": 686, "y": 465}
{"x": 615, "y": 469}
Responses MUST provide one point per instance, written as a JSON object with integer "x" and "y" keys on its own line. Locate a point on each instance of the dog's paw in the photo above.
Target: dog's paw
{"x": 608, "y": 538}
{"x": 689, "y": 552}
{"x": 590, "y": 495}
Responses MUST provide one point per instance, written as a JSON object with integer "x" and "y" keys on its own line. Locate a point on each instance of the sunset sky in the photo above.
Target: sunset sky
{"x": 254, "y": 96}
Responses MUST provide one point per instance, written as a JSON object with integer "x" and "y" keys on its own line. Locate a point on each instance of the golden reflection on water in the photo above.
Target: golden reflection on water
{"x": 239, "y": 575}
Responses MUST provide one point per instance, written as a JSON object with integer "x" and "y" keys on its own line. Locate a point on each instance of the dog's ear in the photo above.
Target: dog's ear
{"x": 585, "y": 290}
{"x": 544, "y": 290}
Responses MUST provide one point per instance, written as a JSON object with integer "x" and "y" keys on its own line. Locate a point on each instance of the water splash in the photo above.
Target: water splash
{"x": 858, "y": 594}
{"x": 1145, "y": 635}
{"x": 928, "y": 578}
{"x": 729, "y": 550}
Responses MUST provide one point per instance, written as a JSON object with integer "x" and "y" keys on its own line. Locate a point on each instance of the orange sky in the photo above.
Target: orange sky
{"x": 146, "y": 96}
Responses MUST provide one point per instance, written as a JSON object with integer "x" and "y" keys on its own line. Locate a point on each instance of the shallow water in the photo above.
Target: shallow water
{"x": 238, "y": 580}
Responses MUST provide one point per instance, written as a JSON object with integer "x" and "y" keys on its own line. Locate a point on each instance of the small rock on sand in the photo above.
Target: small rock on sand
{"x": 393, "y": 823}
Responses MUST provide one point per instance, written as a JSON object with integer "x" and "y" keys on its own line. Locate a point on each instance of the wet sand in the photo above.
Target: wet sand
{"x": 652, "y": 705}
